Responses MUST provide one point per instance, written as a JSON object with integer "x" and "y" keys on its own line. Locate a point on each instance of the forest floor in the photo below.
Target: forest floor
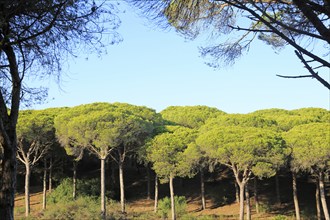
{"x": 220, "y": 199}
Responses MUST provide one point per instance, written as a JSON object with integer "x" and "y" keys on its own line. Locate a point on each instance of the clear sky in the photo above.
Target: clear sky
{"x": 157, "y": 68}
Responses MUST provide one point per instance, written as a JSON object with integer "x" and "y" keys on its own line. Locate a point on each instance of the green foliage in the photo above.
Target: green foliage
{"x": 286, "y": 120}
{"x": 164, "y": 206}
{"x": 166, "y": 152}
{"x": 63, "y": 192}
{"x": 244, "y": 120}
{"x": 83, "y": 208}
{"x": 102, "y": 127}
{"x": 310, "y": 146}
{"x": 249, "y": 148}
{"x": 280, "y": 217}
{"x": 189, "y": 116}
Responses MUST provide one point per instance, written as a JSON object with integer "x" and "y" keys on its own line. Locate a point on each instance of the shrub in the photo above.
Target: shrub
{"x": 84, "y": 207}
{"x": 280, "y": 217}
{"x": 164, "y": 206}
{"x": 64, "y": 191}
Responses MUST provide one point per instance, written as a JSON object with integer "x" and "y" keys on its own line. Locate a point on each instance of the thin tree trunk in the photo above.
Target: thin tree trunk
{"x": 121, "y": 183}
{"x": 74, "y": 180}
{"x": 50, "y": 177}
{"x": 317, "y": 200}
{"x": 277, "y": 187}
{"x": 172, "y": 198}
{"x": 202, "y": 189}
{"x": 44, "y": 186}
{"x": 247, "y": 198}
{"x": 103, "y": 207}
{"x": 322, "y": 194}
{"x": 148, "y": 183}
{"x": 156, "y": 194}
{"x": 241, "y": 201}
{"x": 236, "y": 192}
{"x": 295, "y": 195}
{"x": 27, "y": 188}
{"x": 256, "y": 195}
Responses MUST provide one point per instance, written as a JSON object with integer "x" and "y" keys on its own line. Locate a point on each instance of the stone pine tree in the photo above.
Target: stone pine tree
{"x": 102, "y": 128}
{"x": 36, "y": 135}
{"x": 235, "y": 24}
{"x": 36, "y": 37}
{"x": 286, "y": 120}
{"x": 141, "y": 125}
{"x": 166, "y": 152}
{"x": 311, "y": 152}
{"x": 245, "y": 150}
{"x": 193, "y": 117}
{"x": 69, "y": 144}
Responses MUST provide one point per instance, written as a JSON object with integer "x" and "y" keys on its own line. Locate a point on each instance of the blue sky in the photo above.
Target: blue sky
{"x": 157, "y": 68}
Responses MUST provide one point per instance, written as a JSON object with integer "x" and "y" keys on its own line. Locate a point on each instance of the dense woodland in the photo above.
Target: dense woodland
{"x": 103, "y": 140}
{"x": 38, "y": 37}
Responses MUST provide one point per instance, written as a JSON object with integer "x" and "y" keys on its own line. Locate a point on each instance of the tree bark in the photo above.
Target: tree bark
{"x": 44, "y": 192}
{"x": 236, "y": 192}
{"x": 317, "y": 200}
{"x": 74, "y": 180}
{"x": 241, "y": 200}
{"x": 256, "y": 195}
{"x": 148, "y": 183}
{"x": 156, "y": 194}
{"x": 322, "y": 194}
{"x": 50, "y": 177}
{"x": 8, "y": 177}
{"x": 121, "y": 183}
{"x": 27, "y": 188}
{"x": 277, "y": 187}
{"x": 8, "y": 137}
{"x": 247, "y": 198}
{"x": 202, "y": 189}
{"x": 172, "y": 198}
{"x": 295, "y": 195}
{"x": 103, "y": 207}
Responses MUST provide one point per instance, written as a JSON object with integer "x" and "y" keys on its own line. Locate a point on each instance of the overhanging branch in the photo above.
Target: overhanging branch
{"x": 295, "y": 77}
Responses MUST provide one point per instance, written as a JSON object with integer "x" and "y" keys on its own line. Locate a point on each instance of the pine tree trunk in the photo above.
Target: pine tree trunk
{"x": 202, "y": 189}
{"x": 103, "y": 207}
{"x": 322, "y": 194}
{"x": 156, "y": 194}
{"x": 256, "y": 195}
{"x": 121, "y": 183}
{"x": 236, "y": 192}
{"x": 277, "y": 187}
{"x": 27, "y": 188}
{"x": 8, "y": 179}
{"x": 295, "y": 195}
{"x": 241, "y": 201}
{"x": 148, "y": 183}
{"x": 247, "y": 198}
{"x": 74, "y": 180}
{"x": 8, "y": 138}
{"x": 50, "y": 177}
{"x": 317, "y": 200}
{"x": 172, "y": 198}
{"x": 44, "y": 191}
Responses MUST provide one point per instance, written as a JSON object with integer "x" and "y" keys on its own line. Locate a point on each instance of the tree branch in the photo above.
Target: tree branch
{"x": 295, "y": 77}
{"x": 310, "y": 69}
